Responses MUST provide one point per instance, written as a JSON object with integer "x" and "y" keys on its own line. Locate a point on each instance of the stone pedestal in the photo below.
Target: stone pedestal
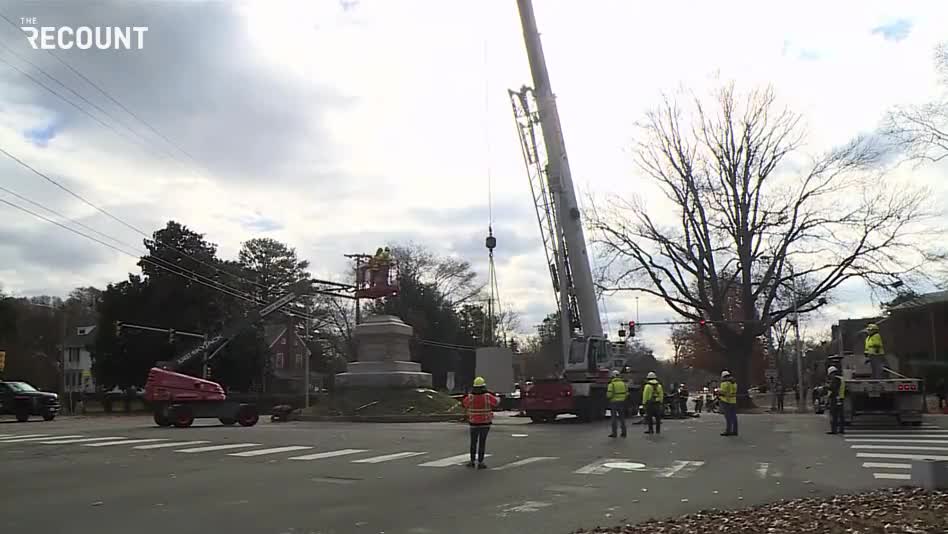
{"x": 384, "y": 357}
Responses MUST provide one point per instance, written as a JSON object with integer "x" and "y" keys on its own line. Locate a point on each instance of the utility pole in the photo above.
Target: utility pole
{"x": 801, "y": 403}
{"x": 306, "y": 355}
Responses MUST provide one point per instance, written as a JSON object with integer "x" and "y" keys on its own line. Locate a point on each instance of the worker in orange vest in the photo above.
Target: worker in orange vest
{"x": 480, "y": 405}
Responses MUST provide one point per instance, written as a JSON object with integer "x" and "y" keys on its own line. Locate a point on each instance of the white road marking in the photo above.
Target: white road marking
{"x": 925, "y": 441}
{"x": 275, "y": 450}
{"x": 527, "y": 506}
{"x": 31, "y": 436}
{"x": 681, "y": 469}
{"x": 220, "y": 447}
{"x": 329, "y": 454}
{"x": 172, "y": 444}
{"x": 892, "y": 476}
{"x": 850, "y": 435}
{"x": 897, "y": 432}
{"x": 901, "y": 456}
{"x": 525, "y": 461}
{"x": 83, "y": 440}
{"x": 877, "y": 465}
{"x": 900, "y": 447}
{"x": 21, "y": 440}
{"x": 762, "y": 468}
{"x": 598, "y": 467}
{"x": 122, "y": 442}
{"x": 387, "y": 457}
{"x": 449, "y": 461}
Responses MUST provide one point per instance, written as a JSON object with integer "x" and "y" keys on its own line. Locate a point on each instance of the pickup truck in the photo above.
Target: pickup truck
{"x": 896, "y": 395}
{"x": 23, "y": 400}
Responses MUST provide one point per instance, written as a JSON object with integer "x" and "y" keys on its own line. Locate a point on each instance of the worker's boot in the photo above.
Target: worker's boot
{"x": 481, "y": 465}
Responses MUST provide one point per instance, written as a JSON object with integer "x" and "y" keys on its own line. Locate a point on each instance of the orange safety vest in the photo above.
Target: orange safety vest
{"x": 480, "y": 407}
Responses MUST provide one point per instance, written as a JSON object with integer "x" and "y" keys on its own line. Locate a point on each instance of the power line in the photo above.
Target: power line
{"x": 122, "y": 222}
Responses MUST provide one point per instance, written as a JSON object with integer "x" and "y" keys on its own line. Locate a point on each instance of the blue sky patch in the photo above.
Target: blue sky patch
{"x": 260, "y": 223}
{"x": 894, "y": 31}
{"x": 41, "y": 136}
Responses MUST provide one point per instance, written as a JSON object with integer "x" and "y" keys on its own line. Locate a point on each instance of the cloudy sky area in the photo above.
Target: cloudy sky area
{"x": 336, "y": 126}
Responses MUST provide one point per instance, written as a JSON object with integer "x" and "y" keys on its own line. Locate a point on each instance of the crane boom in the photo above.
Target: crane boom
{"x": 577, "y": 277}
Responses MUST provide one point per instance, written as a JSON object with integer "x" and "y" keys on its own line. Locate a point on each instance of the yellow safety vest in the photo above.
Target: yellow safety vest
{"x": 729, "y": 392}
{"x": 874, "y": 345}
{"x": 617, "y": 391}
{"x": 653, "y": 392}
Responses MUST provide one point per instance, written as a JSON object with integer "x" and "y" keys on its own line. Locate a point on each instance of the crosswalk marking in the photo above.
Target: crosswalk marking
{"x": 7, "y": 435}
{"x": 30, "y": 436}
{"x": 172, "y": 444}
{"x": 387, "y": 457}
{"x": 878, "y": 465}
{"x": 329, "y": 454}
{"x": 525, "y": 461}
{"x": 21, "y": 440}
{"x": 901, "y": 456}
{"x": 449, "y": 461}
{"x": 882, "y": 434}
{"x": 82, "y": 440}
{"x": 681, "y": 469}
{"x": 925, "y": 441}
{"x": 892, "y": 476}
{"x": 121, "y": 442}
{"x": 220, "y": 447}
{"x": 900, "y": 447}
{"x": 275, "y": 450}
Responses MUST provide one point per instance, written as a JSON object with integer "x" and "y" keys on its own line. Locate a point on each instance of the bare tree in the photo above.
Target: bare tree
{"x": 679, "y": 337}
{"x": 921, "y": 131}
{"x": 743, "y": 205}
{"x": 452, "y": 277}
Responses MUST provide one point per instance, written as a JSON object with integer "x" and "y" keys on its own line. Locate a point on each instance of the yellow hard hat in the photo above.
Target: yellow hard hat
{"x": 479, "y": 382}
{"x": 871, "y": 327}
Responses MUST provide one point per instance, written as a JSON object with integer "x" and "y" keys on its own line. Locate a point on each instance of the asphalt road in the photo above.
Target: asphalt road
{"x": 123, "y": 474}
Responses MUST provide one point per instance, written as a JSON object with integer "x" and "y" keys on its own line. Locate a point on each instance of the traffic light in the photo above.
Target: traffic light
{"x": 118, "y": 328}
{"x": 171, "y": 336}
{"x": 631, "y": 328}
{"x": 702, "y": 323}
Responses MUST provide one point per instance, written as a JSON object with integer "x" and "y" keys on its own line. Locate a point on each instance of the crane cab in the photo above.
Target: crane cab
{"x": 589, "y": 354}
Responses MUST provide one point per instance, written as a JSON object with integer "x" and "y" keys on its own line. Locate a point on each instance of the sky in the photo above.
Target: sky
{"x": 338, "y": 126}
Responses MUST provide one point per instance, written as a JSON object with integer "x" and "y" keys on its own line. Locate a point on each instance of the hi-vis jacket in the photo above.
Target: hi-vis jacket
{"x": 874, "y": 345}
{"x": 480, "y": 408}
{"x": 617, "y": 391}
{"x": 728, "y": 392}
{"x": 653, "y": 392}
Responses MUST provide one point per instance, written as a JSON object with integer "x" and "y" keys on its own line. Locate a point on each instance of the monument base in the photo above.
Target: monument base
{"x": 383, "y": 375}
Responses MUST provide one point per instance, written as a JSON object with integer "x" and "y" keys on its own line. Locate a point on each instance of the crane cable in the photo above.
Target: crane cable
{"x": 493, "y": 304}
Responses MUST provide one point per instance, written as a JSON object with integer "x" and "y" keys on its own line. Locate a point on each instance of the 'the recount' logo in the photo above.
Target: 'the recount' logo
{"x": 83, "y": 37}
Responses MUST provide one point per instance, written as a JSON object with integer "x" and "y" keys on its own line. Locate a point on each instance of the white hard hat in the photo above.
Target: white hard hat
{"x": 615, "y": 373}
{"x": 725, "y": 373}
{"x": 651, "y": 375}
{"x": 832, "y": 369}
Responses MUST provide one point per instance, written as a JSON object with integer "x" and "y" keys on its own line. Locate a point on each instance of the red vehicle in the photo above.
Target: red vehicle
{"x": 179, "y": 399}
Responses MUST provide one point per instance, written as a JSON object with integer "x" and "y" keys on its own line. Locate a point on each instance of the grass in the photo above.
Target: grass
{"x": 377, "y": 401}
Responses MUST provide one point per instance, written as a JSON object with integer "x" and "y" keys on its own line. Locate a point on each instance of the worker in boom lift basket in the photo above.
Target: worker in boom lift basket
{"x": 616, "y": 393}
{"x": 874, "y": 350}
{"x": 728, "y": 403}
{"x": 653, "y": 398}
{"x": 836, "y": 391}
{"x": 480, "y": 405}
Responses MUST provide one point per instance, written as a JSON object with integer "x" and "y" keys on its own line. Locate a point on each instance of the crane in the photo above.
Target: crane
{"x": 587, "y": 353}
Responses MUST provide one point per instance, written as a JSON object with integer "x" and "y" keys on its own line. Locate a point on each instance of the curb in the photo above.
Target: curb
{"x": 438, "y": 418}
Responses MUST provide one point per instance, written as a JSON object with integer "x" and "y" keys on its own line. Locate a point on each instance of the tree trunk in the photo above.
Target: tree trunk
{"x": 740, "y": 362}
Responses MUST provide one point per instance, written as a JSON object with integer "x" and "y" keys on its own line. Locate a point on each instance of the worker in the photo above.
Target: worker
{"x": 616, "y": 393}
{"x": 728, "y": 403}
{"x": 653, "y": 398}
{"x": 480, "y": 405}
{"x": 837, "y": 394}
{"x": 874, "y": 350}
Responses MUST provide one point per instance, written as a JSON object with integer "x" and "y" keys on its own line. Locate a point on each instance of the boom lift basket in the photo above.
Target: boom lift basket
{"x": 374, "y": 281}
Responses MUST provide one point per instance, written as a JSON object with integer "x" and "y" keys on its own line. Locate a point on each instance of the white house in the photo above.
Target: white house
{"x": 78, "y": 360}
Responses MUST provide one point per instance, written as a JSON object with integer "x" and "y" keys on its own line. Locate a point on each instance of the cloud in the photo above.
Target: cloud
{"x": 896, "y": 31}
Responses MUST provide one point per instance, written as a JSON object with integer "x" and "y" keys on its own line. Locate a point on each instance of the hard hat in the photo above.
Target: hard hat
{"x": 479, "y": 382}
{"x": 832, "y": 369}
{"x": 725, "y": 373}
{"x": 871, "y": 327}
{"x": 651, "y": 375}
{"x": 615, "y": 373}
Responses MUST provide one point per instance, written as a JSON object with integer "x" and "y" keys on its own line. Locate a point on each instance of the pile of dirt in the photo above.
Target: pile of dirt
{"x": 373, "y": 402}
{"x": 884, "y": 511}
